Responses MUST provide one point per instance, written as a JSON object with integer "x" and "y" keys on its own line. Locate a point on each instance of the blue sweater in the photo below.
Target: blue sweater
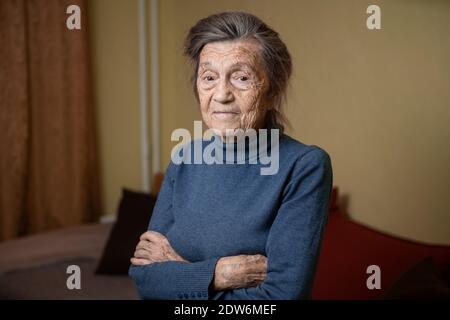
{"x": 212, "y": 211}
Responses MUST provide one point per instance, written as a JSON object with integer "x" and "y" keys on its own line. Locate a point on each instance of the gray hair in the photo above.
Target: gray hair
{"x": 234, "y": 25}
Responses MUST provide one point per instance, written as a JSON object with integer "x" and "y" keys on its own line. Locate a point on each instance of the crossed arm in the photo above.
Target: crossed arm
{"x": 241, "y": 271}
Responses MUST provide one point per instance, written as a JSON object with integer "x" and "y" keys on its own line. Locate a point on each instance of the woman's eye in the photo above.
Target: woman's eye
{"x": 208, "y": 78}
{"x": 243, "y": 78}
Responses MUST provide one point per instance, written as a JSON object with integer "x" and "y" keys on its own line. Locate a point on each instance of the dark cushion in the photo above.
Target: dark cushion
{"x": 133, "y": 217}
{"x": 422, "y": 281}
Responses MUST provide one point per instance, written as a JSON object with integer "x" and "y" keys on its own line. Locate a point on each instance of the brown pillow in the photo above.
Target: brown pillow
{"x": 133, "y": 217}
{"x": 422, "y": 281}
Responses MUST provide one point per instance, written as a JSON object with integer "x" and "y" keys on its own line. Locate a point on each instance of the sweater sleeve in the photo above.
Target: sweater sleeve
{"x": 295, "y": 236}
{"x": 173, "y": 279}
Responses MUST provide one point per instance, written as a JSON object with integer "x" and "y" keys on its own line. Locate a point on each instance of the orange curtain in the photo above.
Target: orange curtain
{"x": 48, "y": 154}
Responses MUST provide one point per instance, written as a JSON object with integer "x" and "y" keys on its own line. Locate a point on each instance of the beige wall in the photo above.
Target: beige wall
{"x": 377, "y": 101}
{"x": 113, "y": 30}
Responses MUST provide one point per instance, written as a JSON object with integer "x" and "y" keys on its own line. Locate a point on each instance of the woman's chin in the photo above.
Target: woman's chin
{"x": 225, "y": 129}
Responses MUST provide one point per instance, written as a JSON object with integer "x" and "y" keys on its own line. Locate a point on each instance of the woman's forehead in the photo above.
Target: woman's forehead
{"x": 238, "y": 53}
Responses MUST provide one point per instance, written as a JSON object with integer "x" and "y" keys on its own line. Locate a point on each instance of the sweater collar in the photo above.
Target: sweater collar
{"x": 246, "y": 148}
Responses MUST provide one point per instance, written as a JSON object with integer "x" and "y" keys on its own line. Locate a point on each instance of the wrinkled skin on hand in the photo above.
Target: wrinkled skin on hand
{"x": 154, "y": 247}
{"x": 241, "y": 271}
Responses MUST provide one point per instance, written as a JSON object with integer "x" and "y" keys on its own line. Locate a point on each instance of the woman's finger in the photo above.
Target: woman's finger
{"x": 142, "y": 254}
{"x": 140, "y": 262}
{"x": 152, "y": 236}
{"x": 145, "y": 245}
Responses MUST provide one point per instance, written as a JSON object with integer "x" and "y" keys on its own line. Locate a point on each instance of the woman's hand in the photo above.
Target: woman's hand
{"x": 242, "y": 271}
{"x": 154, "y": 247}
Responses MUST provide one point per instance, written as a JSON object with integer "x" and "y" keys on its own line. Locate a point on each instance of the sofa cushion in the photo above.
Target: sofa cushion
{"x": 422, "y": 281}
{"x": 349, "y": 248}
{"x": 133, "y": 217}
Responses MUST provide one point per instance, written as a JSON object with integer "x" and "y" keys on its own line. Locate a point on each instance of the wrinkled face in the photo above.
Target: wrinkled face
{"x": 232, "y": 85}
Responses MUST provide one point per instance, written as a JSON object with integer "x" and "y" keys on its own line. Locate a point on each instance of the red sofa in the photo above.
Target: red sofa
{"x": 349, "y": 248}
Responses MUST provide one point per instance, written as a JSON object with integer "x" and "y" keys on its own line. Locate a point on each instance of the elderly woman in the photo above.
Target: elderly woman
{"x": 227, "y": 231}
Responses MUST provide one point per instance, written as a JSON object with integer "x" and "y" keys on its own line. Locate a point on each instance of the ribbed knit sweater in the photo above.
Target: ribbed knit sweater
{"x": 208, "y": 211}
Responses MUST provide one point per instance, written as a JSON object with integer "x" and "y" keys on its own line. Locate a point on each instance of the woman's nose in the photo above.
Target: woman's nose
{"x": 223, "y": 93}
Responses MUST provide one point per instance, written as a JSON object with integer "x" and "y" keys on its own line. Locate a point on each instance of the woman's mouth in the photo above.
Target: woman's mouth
{"x": 224, "y": 115}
